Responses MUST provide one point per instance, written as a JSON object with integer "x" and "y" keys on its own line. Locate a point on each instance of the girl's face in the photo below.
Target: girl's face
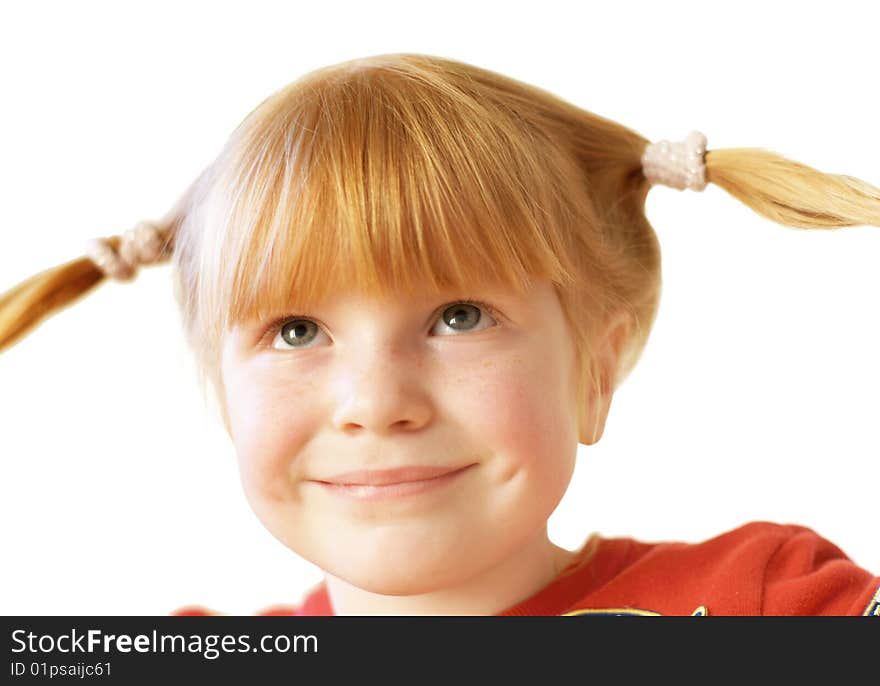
{"x": 354, "y": 387}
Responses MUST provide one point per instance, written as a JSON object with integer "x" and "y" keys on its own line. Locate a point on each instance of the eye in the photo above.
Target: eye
{"x": 466, "y": 315}
{"x": 289, "y": 333}
{"x": 294, "y": 333}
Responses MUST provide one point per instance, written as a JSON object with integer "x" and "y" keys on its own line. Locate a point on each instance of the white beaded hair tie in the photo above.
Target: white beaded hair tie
{"x": 145, "y": 243}
{"x": 677, "y": 165}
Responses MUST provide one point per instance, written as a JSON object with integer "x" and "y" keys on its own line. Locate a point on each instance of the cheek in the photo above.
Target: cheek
{"x": 523, "y": 413}
{"x": 269, "y": 423}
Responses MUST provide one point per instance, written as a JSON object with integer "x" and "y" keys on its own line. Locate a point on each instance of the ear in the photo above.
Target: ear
{"x": 597, "y": 401}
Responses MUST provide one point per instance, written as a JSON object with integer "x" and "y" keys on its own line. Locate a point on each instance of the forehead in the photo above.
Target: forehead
{"x": 538, "y": 292}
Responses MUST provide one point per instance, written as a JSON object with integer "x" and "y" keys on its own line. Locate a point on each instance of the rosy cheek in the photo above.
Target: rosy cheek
{"x": 524, "y": 421}
{"x": 267, "y": 430}
{"x": 524, "y": 413}
{"x": 245, "y": 416}
{"x": 499, "y": 411}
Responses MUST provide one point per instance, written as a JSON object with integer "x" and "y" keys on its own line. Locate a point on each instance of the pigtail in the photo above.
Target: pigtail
{"x": 30, "y": 302}
{"x": 26, "y": 305}
{"x": 791, "y": 193}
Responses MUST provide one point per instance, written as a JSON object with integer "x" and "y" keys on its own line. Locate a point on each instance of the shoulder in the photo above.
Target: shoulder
{"x": 315, "y": 602}
{"x": 758, "y": 568}
{"x": 194, "y": 611}
{"x": 201, "y": 611}
{"x": 809, "y": 575}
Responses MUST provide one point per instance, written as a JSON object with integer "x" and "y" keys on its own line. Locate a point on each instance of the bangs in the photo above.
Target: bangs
{"x": 378, "y": 179}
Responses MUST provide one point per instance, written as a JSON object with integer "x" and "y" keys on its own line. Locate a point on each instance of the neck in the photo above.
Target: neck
{"x": 514, "y": 579}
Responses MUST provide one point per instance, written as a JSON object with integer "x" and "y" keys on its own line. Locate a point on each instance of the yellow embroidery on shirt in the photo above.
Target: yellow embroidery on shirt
{"x": 873, "y": 609}
{"x": 612, "y": 611}
{"x": 701, "y": 611}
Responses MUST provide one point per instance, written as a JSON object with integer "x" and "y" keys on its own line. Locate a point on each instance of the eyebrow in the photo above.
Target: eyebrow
{"x": 496, "y": 294}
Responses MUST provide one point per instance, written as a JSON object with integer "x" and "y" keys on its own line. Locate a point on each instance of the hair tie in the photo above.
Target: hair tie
{"x": 677, "y": 165}
{"x": 145, "y": 243}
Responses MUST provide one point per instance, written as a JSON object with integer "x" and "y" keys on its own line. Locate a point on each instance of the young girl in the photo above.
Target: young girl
{"x": 414, "y": 286}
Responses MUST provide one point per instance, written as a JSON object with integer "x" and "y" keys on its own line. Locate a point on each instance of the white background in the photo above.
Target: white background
{"x": 757, "y": 396}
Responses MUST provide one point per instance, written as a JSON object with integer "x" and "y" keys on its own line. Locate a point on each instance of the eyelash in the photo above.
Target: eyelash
{"x": 272, "y": 330}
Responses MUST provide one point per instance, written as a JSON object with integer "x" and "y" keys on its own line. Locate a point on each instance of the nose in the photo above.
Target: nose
{"x": 381, "y": 389}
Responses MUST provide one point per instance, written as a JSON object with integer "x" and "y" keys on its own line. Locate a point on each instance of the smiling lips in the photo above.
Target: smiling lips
{"x": 383, "y": 483}
{"x": 386, "y": 477}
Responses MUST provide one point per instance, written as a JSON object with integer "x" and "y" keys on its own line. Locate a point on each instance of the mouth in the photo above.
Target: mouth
{"x": 389, "y": 477}
{"x": 391, "y": 483}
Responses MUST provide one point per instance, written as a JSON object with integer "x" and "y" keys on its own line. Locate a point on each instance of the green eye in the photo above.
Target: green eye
{"x": 294, "y": 332}
{"x": 461, "y": 316}
{"x": 298, "y": 332}
{"x": 466, "y": 316}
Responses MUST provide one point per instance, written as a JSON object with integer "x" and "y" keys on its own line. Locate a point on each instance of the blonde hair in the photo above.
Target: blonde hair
{"x": 404, "y": 170}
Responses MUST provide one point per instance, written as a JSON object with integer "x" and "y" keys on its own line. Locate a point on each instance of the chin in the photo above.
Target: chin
{"x": 407, "y": 578}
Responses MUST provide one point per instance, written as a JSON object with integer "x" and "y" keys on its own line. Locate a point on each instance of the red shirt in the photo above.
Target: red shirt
{"x": 758, "y": 569}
